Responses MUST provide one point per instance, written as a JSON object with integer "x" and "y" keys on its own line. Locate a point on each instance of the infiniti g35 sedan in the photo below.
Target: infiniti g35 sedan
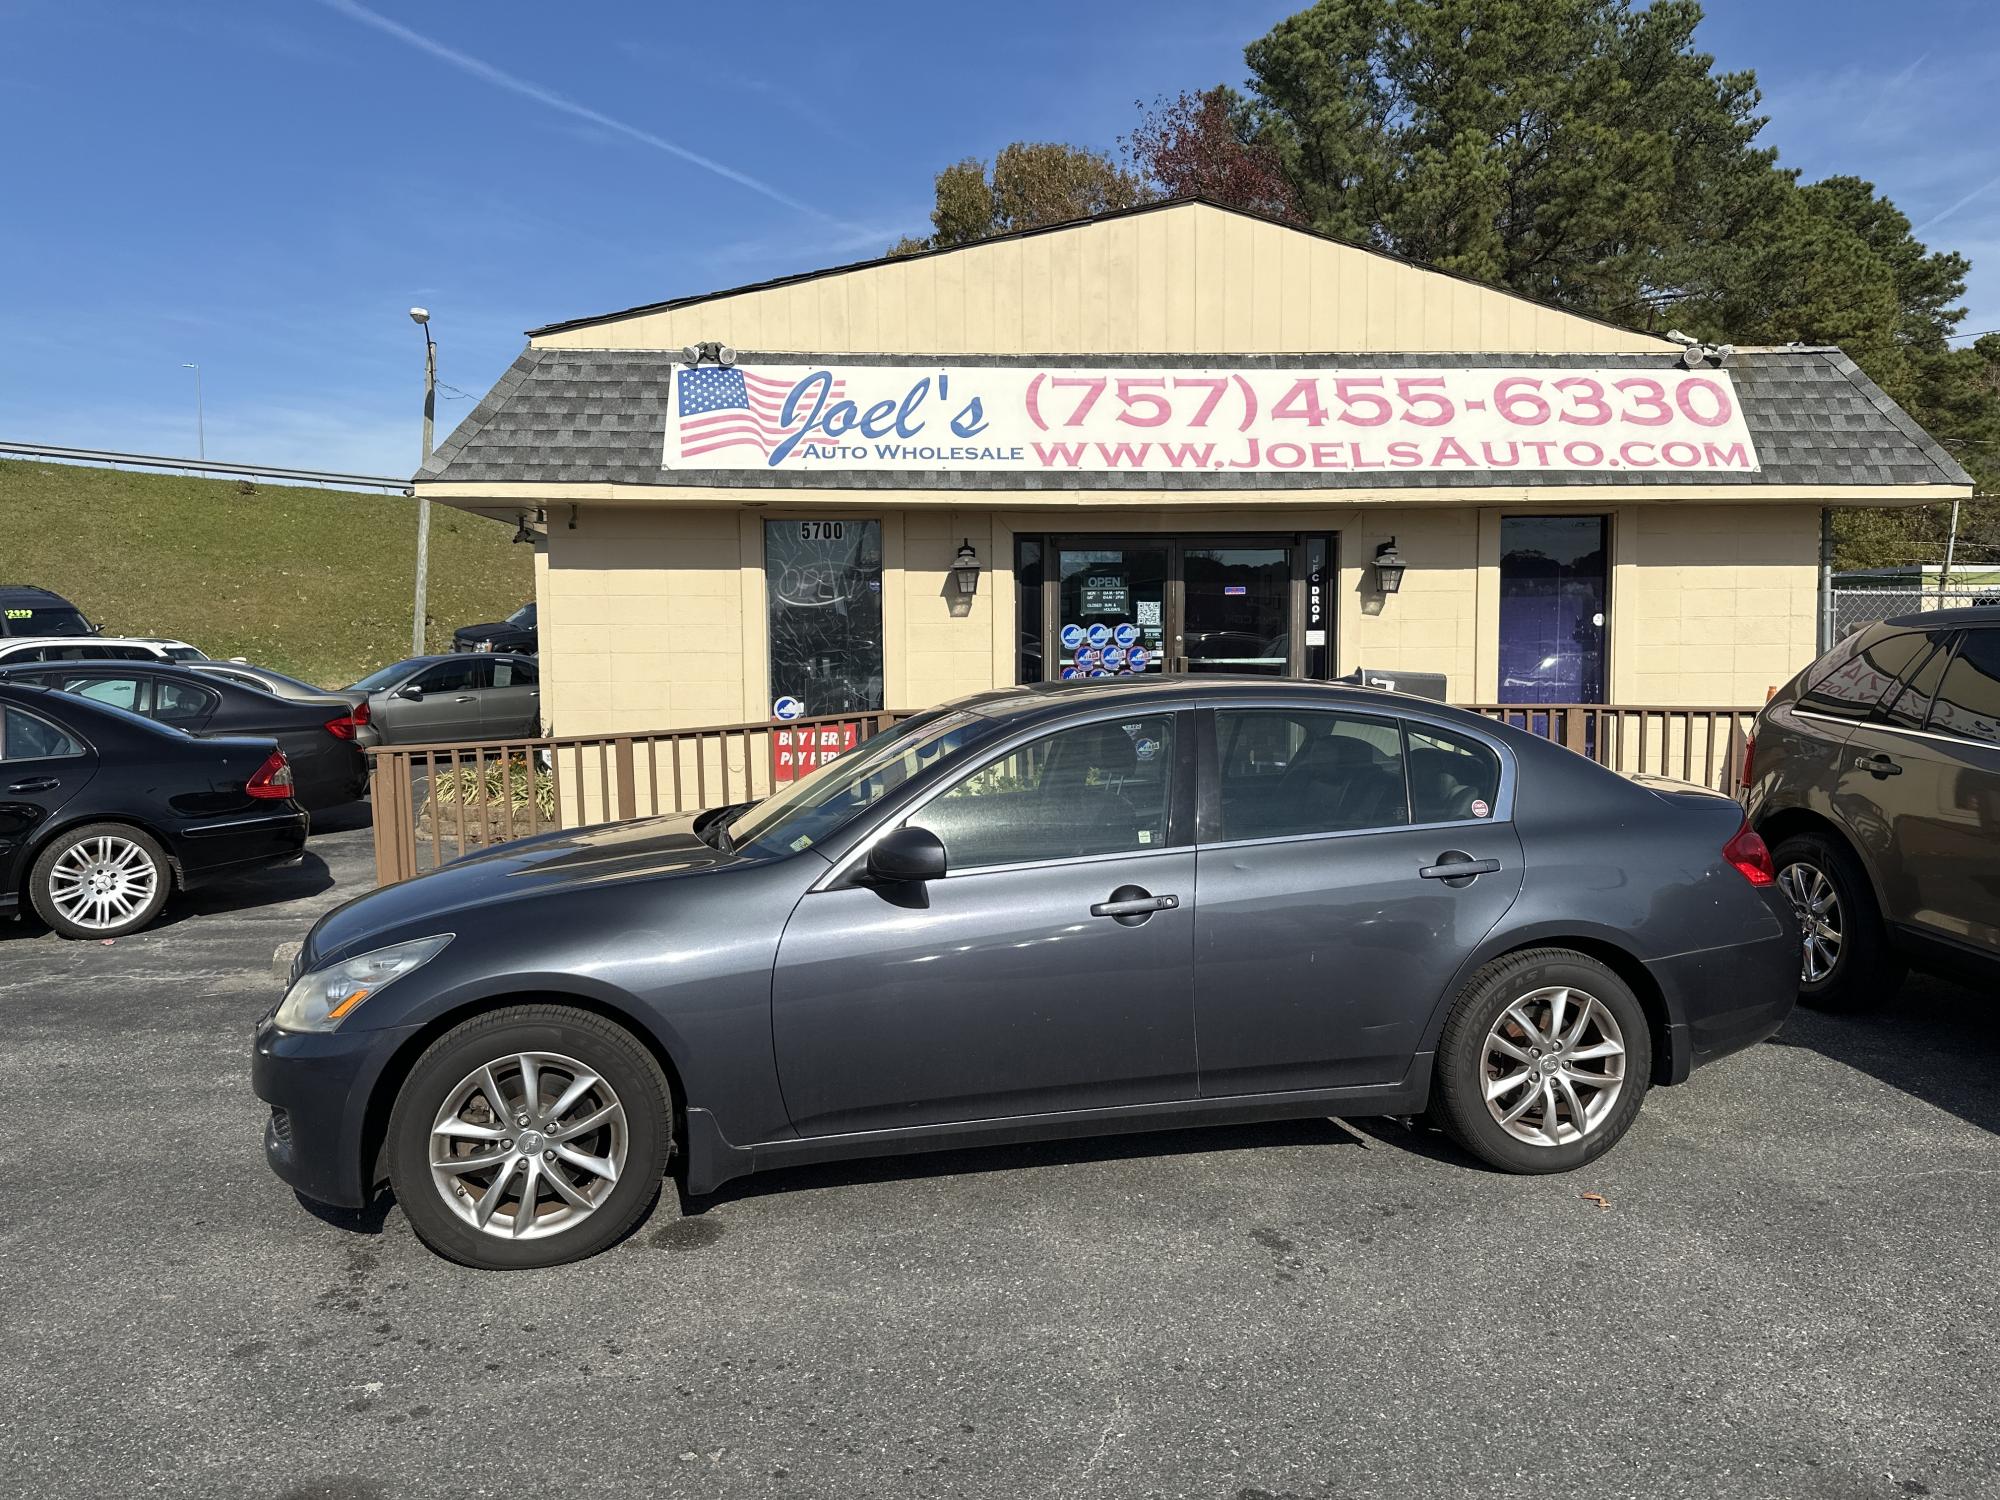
{"x": 1046, "y": 911}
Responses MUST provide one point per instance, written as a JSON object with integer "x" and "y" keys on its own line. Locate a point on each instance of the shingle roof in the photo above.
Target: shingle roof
{"x": 599, "y": 416}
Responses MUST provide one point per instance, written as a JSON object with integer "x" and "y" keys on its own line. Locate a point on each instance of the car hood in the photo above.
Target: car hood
{"x": 491, "y": 627}
{"x": 527, "y": 869}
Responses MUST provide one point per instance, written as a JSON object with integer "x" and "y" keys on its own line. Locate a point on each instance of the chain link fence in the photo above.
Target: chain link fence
{"x": 1848, "y": 610}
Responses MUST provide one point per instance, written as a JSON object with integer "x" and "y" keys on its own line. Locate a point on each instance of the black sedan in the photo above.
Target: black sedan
{"x": 515, "y": 633}
{"x": 321, "y": 738}
{"x": 1061, "y": 909}
{"x": 104, "y": 814}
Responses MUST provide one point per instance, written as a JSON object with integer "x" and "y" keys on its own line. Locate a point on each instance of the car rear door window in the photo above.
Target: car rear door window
{"x": 1453, "y": 777}
{"x": 1968, "y": 699}
{"x": 1101, "y": 788}
{"x": 1860, "y": 680}
{"x": 1286, "y": 771}
{"x": 460, "y": 675}
{"x": 26, "y": 736}
{"x": 1909, "y": 705}
{"x": 119, "y": 692}
{"x": 513, "y": 674}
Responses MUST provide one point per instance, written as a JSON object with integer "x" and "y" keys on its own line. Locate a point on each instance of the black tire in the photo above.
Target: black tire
{"x": 497, "y": 1038}
{"x": 41, "y": 879}
{"x": 1459, "y": 1099}
{"x": 1866, "y": 970}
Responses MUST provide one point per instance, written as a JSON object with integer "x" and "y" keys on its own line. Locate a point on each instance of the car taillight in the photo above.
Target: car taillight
{"x": 1752, "y": 859}
{"x": 343, "y": 727}
{"x": 273, "y": 779}
{"x": 1749, "y": 758}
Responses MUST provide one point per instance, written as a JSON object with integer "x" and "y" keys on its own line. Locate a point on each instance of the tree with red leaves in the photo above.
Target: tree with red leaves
{"x": 1204, "y": 145}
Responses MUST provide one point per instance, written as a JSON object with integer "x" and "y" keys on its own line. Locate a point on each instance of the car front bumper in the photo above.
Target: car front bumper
{"x": 322, "y": 1138}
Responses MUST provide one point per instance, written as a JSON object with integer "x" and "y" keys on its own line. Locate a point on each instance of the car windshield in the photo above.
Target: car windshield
{"x": 809, "y": 809}
{"x": 525, "y": 615}
{"x": 61, "y": 621}
{"x": 374, "y": 682}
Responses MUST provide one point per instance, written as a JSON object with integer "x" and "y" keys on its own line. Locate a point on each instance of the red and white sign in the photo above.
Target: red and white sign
{"x": 795, "y": 752}
{"x": 982, "y": 418}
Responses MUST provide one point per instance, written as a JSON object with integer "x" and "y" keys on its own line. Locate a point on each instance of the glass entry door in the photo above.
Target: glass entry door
{"x": 1236, "y": 609}
{"x": 1126, "y": 606}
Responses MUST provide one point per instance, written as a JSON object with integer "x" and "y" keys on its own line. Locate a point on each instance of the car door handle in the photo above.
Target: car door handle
{"x": 1878, "y": 766}
{"x": 1460, "y": 869}
{"x": 37, "y": 784}
{"x": 463, "y": 698}
{"x": 1130, "y": 905}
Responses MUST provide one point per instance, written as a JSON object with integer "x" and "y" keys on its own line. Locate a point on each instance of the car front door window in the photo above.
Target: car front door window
{"x": 1096, "y": 789}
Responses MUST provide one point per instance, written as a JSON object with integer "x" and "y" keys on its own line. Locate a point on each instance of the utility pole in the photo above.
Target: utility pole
{"x": 200, "y": 422}
{"x": 1950, "y": 547}
{"x": 422, "y": 318}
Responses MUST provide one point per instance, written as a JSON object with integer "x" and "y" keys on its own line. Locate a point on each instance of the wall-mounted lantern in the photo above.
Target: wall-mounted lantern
{"x": 965, "y": 569}
{"x": 1388, "y": 568}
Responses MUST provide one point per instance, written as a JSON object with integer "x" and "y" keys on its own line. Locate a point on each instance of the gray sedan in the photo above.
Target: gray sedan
{"x": 1065, "y": 909}
{"x": 439, "y": 700}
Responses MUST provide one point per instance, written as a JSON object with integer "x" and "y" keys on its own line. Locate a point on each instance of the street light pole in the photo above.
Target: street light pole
{"x": 200, "y": 429}
{"x": 422, "y": 318}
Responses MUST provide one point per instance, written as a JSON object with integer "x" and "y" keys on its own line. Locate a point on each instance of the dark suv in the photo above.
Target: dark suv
{"x": 1874, "y": 776}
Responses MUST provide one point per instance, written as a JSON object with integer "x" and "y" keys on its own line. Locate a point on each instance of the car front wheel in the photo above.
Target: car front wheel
{"x": 528, "y": 1137}
{"x": 103, "y": 880}
{"x": 1543, "y": 1063}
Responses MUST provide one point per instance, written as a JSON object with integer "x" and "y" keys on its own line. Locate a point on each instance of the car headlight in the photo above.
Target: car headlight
{"x": 321, "y": 1000}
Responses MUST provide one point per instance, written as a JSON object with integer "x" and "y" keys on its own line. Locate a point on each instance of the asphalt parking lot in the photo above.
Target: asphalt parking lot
{"x": 1788, "y": 1288}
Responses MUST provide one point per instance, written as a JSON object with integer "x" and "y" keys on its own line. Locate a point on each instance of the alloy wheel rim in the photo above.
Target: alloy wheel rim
{"x": 103, "y": 882}
{"x": 1821, "y": 922}
{"x": 1553, "y": 1066}
{"x": 528, "y": 1145}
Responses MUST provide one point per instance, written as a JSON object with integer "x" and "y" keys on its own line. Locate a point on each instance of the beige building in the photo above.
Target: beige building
{"x": 1171, "y": 439}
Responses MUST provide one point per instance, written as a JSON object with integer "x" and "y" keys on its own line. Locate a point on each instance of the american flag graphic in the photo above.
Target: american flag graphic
{"x": 730, "y": 408}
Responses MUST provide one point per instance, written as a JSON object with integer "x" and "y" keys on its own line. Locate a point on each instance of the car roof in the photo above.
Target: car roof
{"x": 21, "y": 593}
{"x": 1036, "y": 698}
{"x": 1964, "y": 614}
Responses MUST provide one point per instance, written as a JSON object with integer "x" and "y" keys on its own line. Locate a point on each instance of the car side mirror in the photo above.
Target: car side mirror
{"x": 907, "y": 854}
{"x": 411, "y": 691}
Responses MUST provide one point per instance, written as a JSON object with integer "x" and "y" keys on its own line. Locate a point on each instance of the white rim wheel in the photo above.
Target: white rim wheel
{"x": 103, "y": 882}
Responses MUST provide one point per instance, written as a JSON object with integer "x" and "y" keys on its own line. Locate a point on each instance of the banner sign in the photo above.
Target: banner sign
{"x": 1019, "y": 418}
{"x": 794, "y": 752}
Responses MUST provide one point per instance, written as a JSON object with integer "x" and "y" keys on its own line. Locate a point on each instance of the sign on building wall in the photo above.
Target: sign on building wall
{"x": 797, "y": 752}
{"x": 1063, "y": 419}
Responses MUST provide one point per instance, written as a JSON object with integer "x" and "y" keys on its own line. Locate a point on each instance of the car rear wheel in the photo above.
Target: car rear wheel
{"x": 1543, "y": 1063}
{"x": 529, "y": 1136}
{"x": 103, "y": 880}
{"x": 1845, "y": 962}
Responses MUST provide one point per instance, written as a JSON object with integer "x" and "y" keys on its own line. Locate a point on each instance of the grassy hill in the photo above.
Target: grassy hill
{"x": 316, "y": 583}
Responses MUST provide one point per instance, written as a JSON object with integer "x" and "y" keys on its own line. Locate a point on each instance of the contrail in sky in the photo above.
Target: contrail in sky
{"x": 485, "y": 71}
{"x": 1943, "y": 214}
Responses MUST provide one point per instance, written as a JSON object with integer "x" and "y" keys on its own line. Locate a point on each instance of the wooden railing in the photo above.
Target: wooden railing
{"x": 1701, "y": 745}
{"x": 433, "y": 803}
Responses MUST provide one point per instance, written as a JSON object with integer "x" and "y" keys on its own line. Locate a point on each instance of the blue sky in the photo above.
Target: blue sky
{"x": 264, "y": 186}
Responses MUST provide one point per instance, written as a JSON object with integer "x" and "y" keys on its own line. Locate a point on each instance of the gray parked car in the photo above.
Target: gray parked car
{"x": 1875, "y": 777}
{"x": 441, "y": 700}
{"x": 1065, "y": 909}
